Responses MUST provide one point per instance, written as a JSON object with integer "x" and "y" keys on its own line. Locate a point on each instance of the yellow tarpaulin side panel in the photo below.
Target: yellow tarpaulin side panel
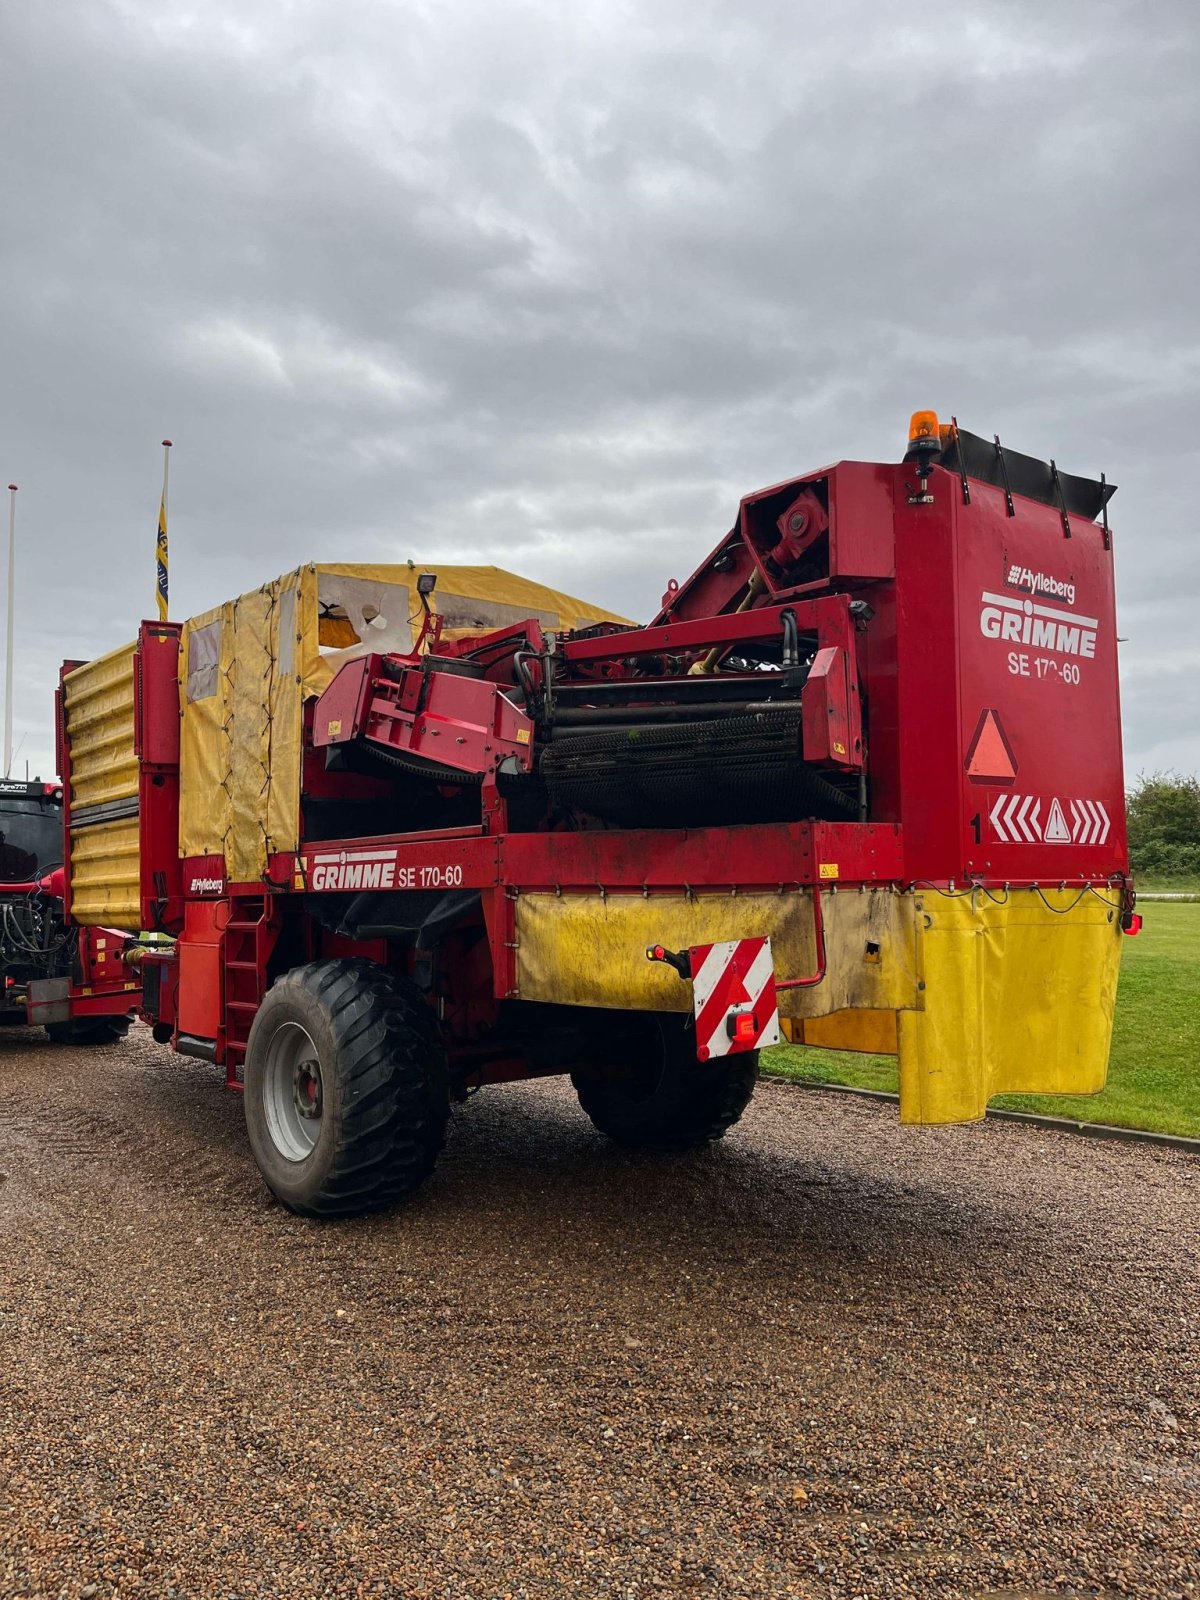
{"x": 205, "y": 663}
{"x": 99, "y": 711}
{"x": 247, "y": 668}
{"x": 105, "y": 875}
{"x": 872, "y": 1032}
{"x": 286, "y": 700}
{"x": 477, "y": 599}
{"x": 314, "y": 669}
{"x": 1019, "y": 999}
{"x": 590, "y": 950}
{"x": 251, "y": 683}
{"x": 469, "y": 600}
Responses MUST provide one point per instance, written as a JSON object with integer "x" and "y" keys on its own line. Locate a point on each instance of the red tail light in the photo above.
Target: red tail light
{"x": 743, "y": 1027}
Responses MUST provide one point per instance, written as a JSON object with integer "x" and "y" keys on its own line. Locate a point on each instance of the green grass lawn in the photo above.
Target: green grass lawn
{"x": 1154, "y": 1072}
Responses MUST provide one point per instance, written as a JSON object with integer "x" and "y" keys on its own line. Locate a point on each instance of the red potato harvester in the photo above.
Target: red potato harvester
{"x": 858, "y": 783}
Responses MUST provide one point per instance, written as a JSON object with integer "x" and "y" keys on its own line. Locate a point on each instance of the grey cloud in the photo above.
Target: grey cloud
{"x": 553, "y": 287}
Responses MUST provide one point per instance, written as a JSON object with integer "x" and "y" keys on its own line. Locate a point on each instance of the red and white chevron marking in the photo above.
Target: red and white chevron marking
{"x": 734, "y": 979}
{"x": 1018, "y": 819}
{"x": 1089, "y": 822}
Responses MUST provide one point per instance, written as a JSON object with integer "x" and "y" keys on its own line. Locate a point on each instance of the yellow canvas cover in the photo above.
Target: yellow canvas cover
{"x": 247, "y": 667}
{"x": 1019, "y": 997}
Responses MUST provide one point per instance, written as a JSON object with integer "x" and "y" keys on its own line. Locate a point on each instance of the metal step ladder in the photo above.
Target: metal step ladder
{"x": 249, "y": 938}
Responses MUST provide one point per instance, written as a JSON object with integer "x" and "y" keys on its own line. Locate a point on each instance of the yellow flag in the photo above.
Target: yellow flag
{"x": 162, "y": 583}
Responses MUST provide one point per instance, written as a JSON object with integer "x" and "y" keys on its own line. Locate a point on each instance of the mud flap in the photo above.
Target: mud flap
{"x": 49, "y": 1001}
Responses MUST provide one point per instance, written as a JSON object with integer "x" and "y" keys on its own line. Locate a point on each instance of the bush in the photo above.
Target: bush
{"x": 1164, "y": 825}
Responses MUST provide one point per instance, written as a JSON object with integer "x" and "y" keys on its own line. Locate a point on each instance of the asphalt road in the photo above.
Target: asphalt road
{"x": 829, "y": 1357}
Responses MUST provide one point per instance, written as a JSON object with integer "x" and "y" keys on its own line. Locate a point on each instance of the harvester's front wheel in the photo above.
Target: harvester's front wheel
{"x": 346, "y": 1088}
{"x": 660, "y": 1097}
{"x": 88, "y": 1030}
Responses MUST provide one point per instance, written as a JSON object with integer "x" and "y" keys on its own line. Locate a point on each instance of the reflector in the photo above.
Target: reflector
{"x": 743, "y": 1026}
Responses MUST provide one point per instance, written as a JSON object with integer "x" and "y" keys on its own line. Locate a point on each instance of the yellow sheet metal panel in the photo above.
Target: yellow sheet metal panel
{"x": 105, "y": 875}
{"x": 1019, "y": 999}
{"x": 590, "y": 950}
{"x": 872, "y": 1032}
{"x": 98, "y": 698}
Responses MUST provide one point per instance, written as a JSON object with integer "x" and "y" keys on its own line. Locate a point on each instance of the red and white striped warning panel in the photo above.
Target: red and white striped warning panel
{"x": 1036, "y": 819}
{"x": 733, "y": 989}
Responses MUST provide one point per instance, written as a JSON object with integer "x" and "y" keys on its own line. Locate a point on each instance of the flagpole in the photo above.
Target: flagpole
{"x": 162, "y": 567}
{"x": 8, "y": 641}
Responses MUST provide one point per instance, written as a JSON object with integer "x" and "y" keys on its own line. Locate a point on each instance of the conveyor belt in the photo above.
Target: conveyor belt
{"x": 737, "y": 769}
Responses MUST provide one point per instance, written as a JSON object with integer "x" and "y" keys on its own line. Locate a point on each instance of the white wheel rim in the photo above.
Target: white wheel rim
{"x": 293, "y": 1092}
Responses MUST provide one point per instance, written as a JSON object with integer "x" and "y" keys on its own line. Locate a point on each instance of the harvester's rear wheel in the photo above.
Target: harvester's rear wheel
{"x": 88, "y": 1030}
{"x": 661, "y": 1097}
{"x": 346, "y": 1088}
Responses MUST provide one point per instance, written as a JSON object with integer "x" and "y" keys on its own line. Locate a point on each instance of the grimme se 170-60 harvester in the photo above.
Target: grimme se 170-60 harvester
{"x": 415, "y": 832}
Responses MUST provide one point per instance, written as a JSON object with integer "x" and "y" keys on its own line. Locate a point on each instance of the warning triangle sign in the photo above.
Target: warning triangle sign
{"x": 989, "y": 756}
{"x": 1056, "y": 830}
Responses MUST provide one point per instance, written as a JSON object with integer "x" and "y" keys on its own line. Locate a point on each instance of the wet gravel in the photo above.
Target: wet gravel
{"x": 829, "y": 1357}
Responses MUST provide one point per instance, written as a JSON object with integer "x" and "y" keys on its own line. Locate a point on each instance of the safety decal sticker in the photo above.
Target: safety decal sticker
{"x": 375, "y": 869}
{"x": 733, "y": 990}
{"x": 990, "y": 757}
{"x": 1033, "y": 819}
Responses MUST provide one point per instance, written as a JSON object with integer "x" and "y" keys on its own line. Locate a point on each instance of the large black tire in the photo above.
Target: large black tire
{"x": 661, "y": 1097}
{"x": 346, "y": 1088}
{"x": 88, "y": 1030}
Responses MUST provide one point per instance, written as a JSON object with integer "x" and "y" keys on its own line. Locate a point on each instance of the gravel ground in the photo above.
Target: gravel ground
{"x": 826, "y": 1358}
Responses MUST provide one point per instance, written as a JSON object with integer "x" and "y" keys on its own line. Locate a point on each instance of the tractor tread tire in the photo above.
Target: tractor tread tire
{"x": 683, "y": 1102}
{"x": 384, "y": 1066}
{"x": 82, "y": 1032}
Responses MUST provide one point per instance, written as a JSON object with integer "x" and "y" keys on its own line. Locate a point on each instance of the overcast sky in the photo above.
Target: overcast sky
{"x": 552, "y": 286}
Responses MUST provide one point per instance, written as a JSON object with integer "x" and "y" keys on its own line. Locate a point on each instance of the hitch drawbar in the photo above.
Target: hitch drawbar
{"x": 733, "y": 994}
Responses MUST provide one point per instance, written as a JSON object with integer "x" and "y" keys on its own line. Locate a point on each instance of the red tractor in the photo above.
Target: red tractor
{"x": 69, "y": 979}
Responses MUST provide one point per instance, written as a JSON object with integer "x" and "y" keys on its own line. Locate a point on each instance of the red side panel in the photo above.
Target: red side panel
{"x": 156, "y": 736}
{"x": 200, "y": 951}
{"x": 1038, "y": 651}
{"x": 463, "y": 723}
{"x": 1006, "y": 691}
{"x": 832, "y": 711}
{"x": 861, "y": 536}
